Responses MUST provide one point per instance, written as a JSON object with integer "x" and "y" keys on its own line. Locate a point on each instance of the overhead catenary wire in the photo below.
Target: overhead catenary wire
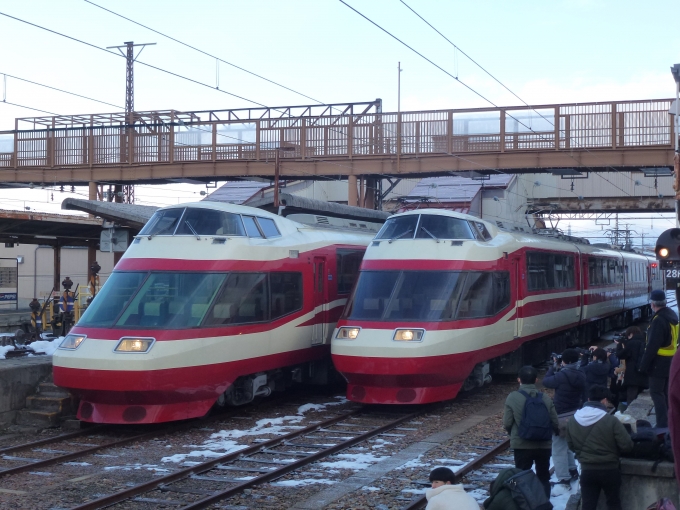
{"x": 467, "y": 86}
{"x": 218, "y": 59}
{"x": 139, "y": 62}
{"x": 61, "y": 90}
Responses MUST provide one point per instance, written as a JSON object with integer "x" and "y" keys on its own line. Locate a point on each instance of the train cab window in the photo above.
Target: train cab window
{"x": 251, "y": 226}
{"x": 428, "y": 295}
{"x": 244, "y": 298}
{"x": 347, "y": 269}
{"x": 209, "y": 222}
{"x": 425, "y": 296}
{"x": 112, "y": 298}
{"x": 402, "y": 227}
{"x": 286, "y": 293}
{"x": 443, "y": 227}
{"x": 171, "y": 300}
{"x": 268, "y": 227}
{"x": 162, "y": 223}
{"x": 372, "y": 294}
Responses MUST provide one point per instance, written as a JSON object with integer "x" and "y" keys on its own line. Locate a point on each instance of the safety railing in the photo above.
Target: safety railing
{"x": 165, "y": 138}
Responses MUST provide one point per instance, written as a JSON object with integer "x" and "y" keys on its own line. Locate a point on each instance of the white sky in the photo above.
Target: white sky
{"x": 546, "y": 52}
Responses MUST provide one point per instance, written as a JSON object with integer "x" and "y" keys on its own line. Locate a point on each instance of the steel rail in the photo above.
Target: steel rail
{"x": 54, "y": 439}
{"x": 467, "y": 468}
{"x": 278, "y": 473}
{"x": 75, "y": 455}
{"x": 208, "y": 465}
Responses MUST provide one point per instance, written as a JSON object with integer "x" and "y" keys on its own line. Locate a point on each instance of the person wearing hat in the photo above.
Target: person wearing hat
{"x": 662, "y": 344}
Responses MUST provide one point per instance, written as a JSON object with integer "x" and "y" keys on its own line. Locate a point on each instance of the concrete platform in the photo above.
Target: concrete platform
{"x": 19, "y": 378}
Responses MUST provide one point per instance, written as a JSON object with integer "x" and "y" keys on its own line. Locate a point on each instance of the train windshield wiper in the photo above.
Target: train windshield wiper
{"x": 429, "y": 234}
{"x": 186, "y": 222}
{"x": 401, "y": 235}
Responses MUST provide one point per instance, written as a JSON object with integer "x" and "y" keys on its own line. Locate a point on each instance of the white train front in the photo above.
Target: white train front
{"x": 440, "y": 294}
{"x": 211, "y": 301}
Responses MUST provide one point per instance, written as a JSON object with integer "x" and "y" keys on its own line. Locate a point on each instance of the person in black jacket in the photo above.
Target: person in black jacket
{"x": 569, "y": 384}
{"x": 662, "y": 343}
{"x": 630, "y": 350}
{"x": 597, "y": 371}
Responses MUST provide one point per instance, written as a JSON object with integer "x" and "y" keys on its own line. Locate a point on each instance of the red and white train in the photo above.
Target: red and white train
{"x": 212, "y": 302}
{"x": 443, "y": 299}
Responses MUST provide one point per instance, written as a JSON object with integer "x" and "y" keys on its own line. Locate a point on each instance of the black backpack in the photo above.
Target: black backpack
{"x": 527, "y": 491}
{"x": 646, "y": 445}
{"x": 536, "y": 424}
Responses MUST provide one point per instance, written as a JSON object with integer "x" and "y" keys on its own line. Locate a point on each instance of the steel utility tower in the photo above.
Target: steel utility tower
{"x": 127, "y": 193}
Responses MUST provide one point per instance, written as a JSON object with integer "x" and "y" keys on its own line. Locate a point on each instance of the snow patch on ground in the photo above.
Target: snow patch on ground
{"x": 225, "y": 447}
{"x": 479, "y": 494}
{"x": 320, "y": 407}
{"x": 306, "y": 481}
{"x": 134, "y": 467}
{"x": 414, "y": 463}
{"x": 46, "y": 346}
{"x": 4, "y": 350}
{"x": 414, "y": 491}
{"x": 77, "y": 464}
{"x": 380, "y": 443}
{"x": 275, "y": 426}
{"x": 372, "y": 489}
{"x": 356, "y": 461}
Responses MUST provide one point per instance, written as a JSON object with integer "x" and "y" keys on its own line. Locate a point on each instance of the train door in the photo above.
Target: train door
{"x": 518, "y": 295}
{"x": 320, "y": 327}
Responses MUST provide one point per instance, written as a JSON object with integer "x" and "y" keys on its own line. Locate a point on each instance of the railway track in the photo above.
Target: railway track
{"x": 204, "y": 484}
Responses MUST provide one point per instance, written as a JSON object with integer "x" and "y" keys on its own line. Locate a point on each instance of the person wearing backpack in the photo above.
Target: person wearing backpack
{"x": 531, "y": 420}
{"x": 569, "y": 384}
{"x": 598, "y": 439}
{"x": 662, "y": 344}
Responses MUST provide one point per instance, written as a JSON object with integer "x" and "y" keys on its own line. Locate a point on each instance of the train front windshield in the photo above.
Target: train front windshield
{"x": 428, "y": 295}
{"x": 173, "y": 300}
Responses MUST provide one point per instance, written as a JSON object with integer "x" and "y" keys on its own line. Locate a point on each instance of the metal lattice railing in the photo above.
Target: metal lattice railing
{"x": 254, "y": 135}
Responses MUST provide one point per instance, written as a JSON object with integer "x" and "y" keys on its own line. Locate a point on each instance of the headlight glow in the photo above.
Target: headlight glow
{"x": 72, "y": 342}
{"x": 409, "y": 335}
{"x": 134, "y": 345}
{"x": 663, "y": 252}
{"x": 348, "y": 333}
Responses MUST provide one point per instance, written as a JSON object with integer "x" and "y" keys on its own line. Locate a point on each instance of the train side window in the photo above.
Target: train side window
{"x": 501, "y": 290}
{"x": 208, "y": 222}
{"x": 162, "y": 223}
{"x": 476, "y": 299}
{"x": 481, "y": 230}
{"x": 347, "y": 269}
{"x": 244, "y": 298}
{"x": 443, "y": 227}
{"x": 268, "y": 227}
{"x": 286, "y": 293}
{"x": 402, "y": 227}
{"x": 564, "y": 271}
{"x": 251, "y": 226}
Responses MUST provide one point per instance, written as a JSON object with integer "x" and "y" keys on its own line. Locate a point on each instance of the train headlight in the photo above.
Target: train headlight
{"x": 348, "y": 333}
{"x": 409, "y": 335}
{"x": 134, "y": 345}
{"x": 72, "y": 342}
{"x": 663, "y": 252}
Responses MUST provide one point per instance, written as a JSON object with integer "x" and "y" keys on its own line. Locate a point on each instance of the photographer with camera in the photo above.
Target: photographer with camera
{"x": 569, "y": 384}
{"x": 596, "y": 367}
{"x": 630, "y": 349}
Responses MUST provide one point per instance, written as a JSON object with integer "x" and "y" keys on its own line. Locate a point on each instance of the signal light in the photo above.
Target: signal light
{"x": 663, "y": 252}
{"x": 654, "y": 265}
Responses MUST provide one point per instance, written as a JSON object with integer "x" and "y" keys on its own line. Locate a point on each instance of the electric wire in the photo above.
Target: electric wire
{"x": 28, "y": 107}
{"x": 473, "y": 90}
{"x": 205, "y": 53}
{"x": 61, "y": 90}
{"x": 177, "y": 75}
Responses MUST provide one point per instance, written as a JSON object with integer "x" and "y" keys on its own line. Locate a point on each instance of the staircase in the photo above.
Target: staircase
{"x": 47, "y": 408}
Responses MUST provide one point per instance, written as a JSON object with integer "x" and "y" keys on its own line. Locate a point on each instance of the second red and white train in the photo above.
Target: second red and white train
{"x": 443, "y": 299}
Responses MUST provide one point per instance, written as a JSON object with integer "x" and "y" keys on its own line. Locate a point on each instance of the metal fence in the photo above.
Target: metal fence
{"x": 172, "y": 137}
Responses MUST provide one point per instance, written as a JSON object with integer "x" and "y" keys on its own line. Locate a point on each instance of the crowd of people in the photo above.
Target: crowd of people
{"x": 576, "y": 423}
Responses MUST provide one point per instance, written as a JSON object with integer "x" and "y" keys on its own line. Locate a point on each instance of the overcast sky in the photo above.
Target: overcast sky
{"x": 545, "y": 52}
